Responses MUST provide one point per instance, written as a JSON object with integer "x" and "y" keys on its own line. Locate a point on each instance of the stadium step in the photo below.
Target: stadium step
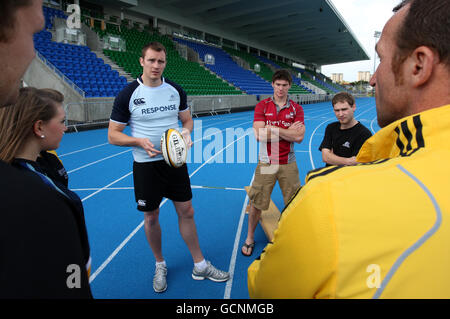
{"x": 218, "y": 76}
{"x": 114, "y": 66}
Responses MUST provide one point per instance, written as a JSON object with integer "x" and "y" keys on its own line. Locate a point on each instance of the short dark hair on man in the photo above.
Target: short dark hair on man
{"x": 8, "y": 10}
{"x": 156, "y": 46}
{"x": 427, "y": 23}
{"x": 343, "y": 97}
{"x": 282, "y": 74}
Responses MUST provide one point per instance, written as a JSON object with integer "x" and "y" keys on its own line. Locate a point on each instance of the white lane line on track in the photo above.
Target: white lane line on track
{"x": 371, "y": 125}
{"x": 103, "y": 144}
{"x": 221, "y": 151}
{"x": 98, "y": 161}
{"x": 310, "y": 141}
{"x": 237, "y": 238}
{"x": 131, "y": 188}
{"x": 129, "y": 150}
{"x": 105, "y": 187}
{"x": 83, "y": 149}
{"x": 102, "y": 188}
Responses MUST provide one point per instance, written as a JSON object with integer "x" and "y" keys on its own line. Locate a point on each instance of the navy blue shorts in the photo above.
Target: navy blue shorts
{"x": 155, "y": 180}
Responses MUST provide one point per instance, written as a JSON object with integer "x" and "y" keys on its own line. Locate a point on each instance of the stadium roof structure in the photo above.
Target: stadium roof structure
{"x": 311, "y": 32}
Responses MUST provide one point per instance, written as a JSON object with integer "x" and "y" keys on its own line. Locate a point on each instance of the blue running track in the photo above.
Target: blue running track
{"x": 221, "y": 163}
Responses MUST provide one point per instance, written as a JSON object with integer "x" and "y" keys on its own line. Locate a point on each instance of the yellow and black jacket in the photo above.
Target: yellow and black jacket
{"x": 380, "y": 229}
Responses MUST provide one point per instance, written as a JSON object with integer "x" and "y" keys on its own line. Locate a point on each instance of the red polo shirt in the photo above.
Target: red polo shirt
{"x": 281, "y": 152}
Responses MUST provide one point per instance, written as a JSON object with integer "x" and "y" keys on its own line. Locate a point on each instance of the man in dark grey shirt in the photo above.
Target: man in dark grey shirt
{"x": 344, "y": 138}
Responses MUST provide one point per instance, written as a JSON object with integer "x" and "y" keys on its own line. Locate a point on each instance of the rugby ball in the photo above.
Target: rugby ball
{"x": 173, "y": 148}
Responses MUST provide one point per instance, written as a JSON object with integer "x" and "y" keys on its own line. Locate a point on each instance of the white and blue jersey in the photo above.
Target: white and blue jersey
{"x": 150, "y": 111}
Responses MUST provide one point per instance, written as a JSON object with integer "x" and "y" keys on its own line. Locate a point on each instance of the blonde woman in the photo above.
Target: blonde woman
{"x": 30, "y": 128}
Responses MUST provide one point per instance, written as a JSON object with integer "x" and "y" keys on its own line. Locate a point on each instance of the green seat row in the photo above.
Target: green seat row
{"x": 192, "y": 77}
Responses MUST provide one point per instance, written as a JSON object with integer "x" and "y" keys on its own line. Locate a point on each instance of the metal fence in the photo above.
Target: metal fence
{"x": 305, "y": 98}
{"x": 311, "y": 98}
{"x": 93, "y": 111}
{"x": 215, "y": 104}
{"x": 97, "y": 111}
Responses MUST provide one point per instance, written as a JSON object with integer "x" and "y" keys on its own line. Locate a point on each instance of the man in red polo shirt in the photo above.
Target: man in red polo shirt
{"x": 278, "y": 124}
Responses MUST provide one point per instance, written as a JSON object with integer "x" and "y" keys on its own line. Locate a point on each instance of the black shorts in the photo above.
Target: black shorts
{"x": 155, "y": 180}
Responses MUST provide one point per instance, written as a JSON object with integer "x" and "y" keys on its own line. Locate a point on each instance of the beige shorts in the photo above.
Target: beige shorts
{"x": 266, "y": 176}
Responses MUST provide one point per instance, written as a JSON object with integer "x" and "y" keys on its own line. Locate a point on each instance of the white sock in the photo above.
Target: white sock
{"x": 163, "y": 263}
{"x": 201, "y": 265}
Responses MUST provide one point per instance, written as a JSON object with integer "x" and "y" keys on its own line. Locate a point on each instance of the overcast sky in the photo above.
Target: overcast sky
{"x": 364, "y": 17}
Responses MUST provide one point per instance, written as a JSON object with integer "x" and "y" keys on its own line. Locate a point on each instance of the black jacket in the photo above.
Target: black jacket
{"x": 41, "y": 250}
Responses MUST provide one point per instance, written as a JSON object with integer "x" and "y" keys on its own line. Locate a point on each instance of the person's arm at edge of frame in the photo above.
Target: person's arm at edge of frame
{"x": 330, "y": 158}
{"x": 188, "y": 125}
{"x": 292, "y": 266}
{"x": 117, "y": 137}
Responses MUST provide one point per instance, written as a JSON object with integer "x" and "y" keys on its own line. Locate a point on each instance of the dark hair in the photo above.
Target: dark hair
{"x": 426, "y": 23}
{"x": 8, "y": 9}
{"x": 156, "y": 46}
{"x": 282, "y": 74}
{"x": 342, "y": 97}
{"x": 17, "y": 120}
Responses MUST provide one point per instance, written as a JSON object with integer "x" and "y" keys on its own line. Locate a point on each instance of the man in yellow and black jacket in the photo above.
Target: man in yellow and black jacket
{"x": 380, "y": 229}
